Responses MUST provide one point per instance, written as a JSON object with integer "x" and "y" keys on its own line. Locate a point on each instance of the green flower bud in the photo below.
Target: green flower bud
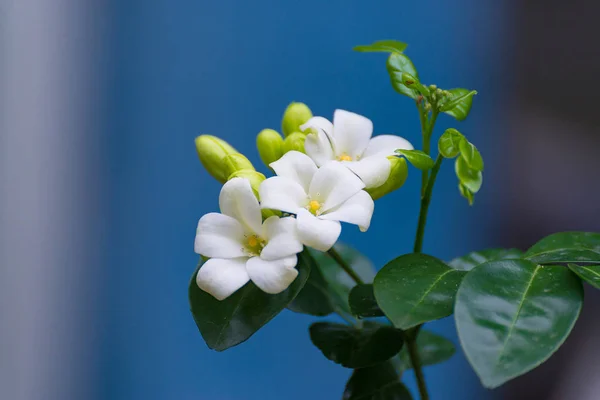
{"x": 211, "y": 151}
{"x": 236, "y": 162}
{"x": 253, "y": 176}
{"x": 295, "y": 114}
{"x": 295, "y": 141}
{"x": 398, "y": 175}
{"x": 270, "y": 146}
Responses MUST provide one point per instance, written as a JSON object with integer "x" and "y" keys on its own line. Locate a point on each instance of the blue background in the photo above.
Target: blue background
{"x": 182, "y": 68}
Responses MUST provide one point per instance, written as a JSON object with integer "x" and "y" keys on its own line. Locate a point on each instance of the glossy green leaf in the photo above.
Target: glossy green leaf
{"x": 471, "y": 155}
{"x": 316, "y": 297}
{"x": 416, "y": 288}
{"x": 433, "y": 349}
{"x": 512, "y": 315}
{"x": 356, "y": 347}
{"x": 566, "y": 247}
{"x": 475, "y": 258}
{"x": 466, "y": 193}
{"x": 460, "y": 104}
{"x": 380, "y": 382}
{"x": 468, "y": 177}
{"x": 398, "y": 64}
{"x": 363, "y": 303}
{"x": 418, "y": 159}
{"x": 589, "y": 273}
{"x": 224, "y": 324}
{"x": 387, "y": 46}
{"x": 449, "y": 143}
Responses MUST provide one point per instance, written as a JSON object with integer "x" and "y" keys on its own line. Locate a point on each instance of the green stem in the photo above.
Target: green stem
{"x": 425, "y": 200}
{"x": 345, "y": 266}
{"x": 415, "y": 360}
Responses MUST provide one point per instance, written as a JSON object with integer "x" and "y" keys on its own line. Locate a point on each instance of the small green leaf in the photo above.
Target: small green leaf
{"x": 316, "y": 297}
{"x": 566, "y": 247}
{"x": 363, "y": 303}
{"x": 475, "y": 258}
{"x": 398, "y": 64}
{"x": 468, "y": 177}
{"x": 380, "y": 382}
{"x": 466, "y": 193}
{"x": 412, "y": 82}
{"x": 512, "y": 315}
{"x": 227, "y": 323}
{"x": 589, "y": 273}
{"x": 387, "y": 46}
{"x": 433, "y": 349}
{"x": 449, "y": 143}
{"x": 471, "y": 155}
{"x": 355, "y": 347}
{"x": 460, "y": 104}
{"x": 418, "y": 159}
{"x": 416, "y": 288}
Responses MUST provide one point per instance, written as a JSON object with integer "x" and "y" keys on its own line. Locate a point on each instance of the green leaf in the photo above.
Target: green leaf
{"x": 589, "y": 273}
{"x": 418, "y": 159}
{"x": 387, "y": 46}
{"x": 460, "y": 104}
{"x": 449, "y": 143}
{"x": 433, "y": 349}
{"x": 224, "y": 324}
{"x": 416, "y": 288}
{"x": 380, "y": 382}
{"x": 398, "y": 64}
{"x": 468, "y": 177}
{"x": 363, "y": 303}
{"x": 512, "y": 315}
{"x": 475, "y": 258}
{"x": 354, "y": 347}
{"x": 471, "y": 155}
{"x": 316, "y": 297}
{"x": 466, "y": 193}
{"x": 566, "y": 247}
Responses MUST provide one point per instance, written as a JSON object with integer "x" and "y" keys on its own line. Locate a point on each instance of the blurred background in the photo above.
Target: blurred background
{"x": 101, "y": 188}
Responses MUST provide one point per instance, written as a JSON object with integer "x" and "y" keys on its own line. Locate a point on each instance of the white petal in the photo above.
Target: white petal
{"x": 272, "y": 276}
{"x": 357, "y": 210}
{"x": 219, "y": 236}
{"x": 320, "y": 124}
{"x": 373, "y": 171}
{"x": 351, "y": 133}
{"x": 282, "y": 238}
{"x": 295, "y": 166}
{"x": 386, "y": 145}
{"x": 319, "y": 148}
{"x": 284, "y": 194}
{"x": 238, "y": 201}
{"x": 221, "y": 278}
{"x": 320, "y": 234}
{"x": 333, "y": 184}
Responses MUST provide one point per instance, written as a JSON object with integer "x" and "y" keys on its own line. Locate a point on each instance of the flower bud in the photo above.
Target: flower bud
{"x": 236, "y": 162}
{"x": 211, "y": 151}
{"x": 254, "y": 177}
{"x": 295, "y": 114}
{"x": 270, "y": 146}
{"x": 295, "y": 141}
{"x": 398, "y": 174}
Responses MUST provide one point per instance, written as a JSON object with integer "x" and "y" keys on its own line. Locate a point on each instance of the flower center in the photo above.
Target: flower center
{"x": 314, "y": 206}
{"x": 344, "y": 157}
{"x": 254, "y": 245}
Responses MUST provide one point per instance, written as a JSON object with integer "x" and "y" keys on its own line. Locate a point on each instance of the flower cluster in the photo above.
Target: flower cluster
{"x": 303, "y": 204}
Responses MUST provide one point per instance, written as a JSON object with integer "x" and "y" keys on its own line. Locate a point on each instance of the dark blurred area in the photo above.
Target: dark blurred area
{"x": 101, "y": 189}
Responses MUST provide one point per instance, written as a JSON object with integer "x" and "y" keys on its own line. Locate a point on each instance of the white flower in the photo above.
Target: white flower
{"x": 348, "y": 140}
{"x": 320, "y": 198}
{"x": 241, "y": 247}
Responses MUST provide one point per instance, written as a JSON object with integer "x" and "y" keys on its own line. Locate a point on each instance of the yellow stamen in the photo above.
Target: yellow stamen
{"x": 314, "y": 206}
{"x": 252, "y": 241}
{"x": 345, "y": 157}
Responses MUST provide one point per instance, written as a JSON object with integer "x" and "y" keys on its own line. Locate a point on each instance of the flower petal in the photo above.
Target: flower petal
{"x": 357, "y": 210}
{"x": 320, "y": 234}
{"x": 333, "y": 184}
{"x": 282, "y": 238}
{"x": 386, "y": 145}
{"x": 272, "y": 276}
{"x": 319, "y": 124}
{"x": 295, "y": 166}
{"x": 222, "y": 277}
{"x": 351, "y": 133}
{"x": 319, "y": 148}
{"x": 219, "y": 236}
{"x": 238, "y": 201}
{"x": 284, "y": 194}
{"x": 373, "y": 171}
